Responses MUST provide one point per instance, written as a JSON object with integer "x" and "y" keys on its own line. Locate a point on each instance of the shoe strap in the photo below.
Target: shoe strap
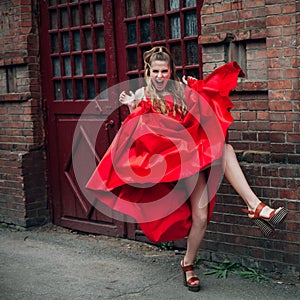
{"x": 258, "y": 209}
{"x": 187, "y": 268}
{"x": 192, "y": 280}
{"x": 256, "y": 213}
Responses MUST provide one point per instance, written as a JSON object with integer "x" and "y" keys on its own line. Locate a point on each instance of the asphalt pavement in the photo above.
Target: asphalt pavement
{"x": 50, "y": 262}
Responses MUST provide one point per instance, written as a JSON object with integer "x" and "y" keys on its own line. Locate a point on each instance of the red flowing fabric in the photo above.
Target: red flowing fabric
{"x": 141, "y": 174}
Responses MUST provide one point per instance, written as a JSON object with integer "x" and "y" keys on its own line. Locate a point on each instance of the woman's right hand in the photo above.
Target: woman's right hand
{"x": 125, "y": 98}
{"x": 128, "y": 99}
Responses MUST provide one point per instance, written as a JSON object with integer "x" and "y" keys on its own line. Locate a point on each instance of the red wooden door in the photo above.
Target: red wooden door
{"x": 78, "y": 64}
{"x": 88, "y": 46}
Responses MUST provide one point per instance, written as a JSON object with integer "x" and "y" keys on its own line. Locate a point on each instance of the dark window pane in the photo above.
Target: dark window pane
{"x": 75, "y": 16}
{"x": 65, "y": 42}
{"x": 192, "y": 52}
{"x": 143, "y": 50}
{"x": 53, "y": 19}
{"x": 131, "y": 32}
{"x": 76, "y": 41}
{"x": 193, "y": 73}
{"x": 99, "y": 33}
{"x": 52, "y": 2}
{"x": 91, "y": 88}
{"x": 86, "y": 14}
{"x": 174, "y": 4}
{"x": 98, "y": 11}
{"x": 67, "y": 66}
{"x": 145, "y": 7}
{"x": 89, "y": 67}
{"x": 175, "y": 26}
{"x": 56, "y": 67}
{"x": 188, "y": 3}
{"x": 159, "y": 6}
{"x": 87, "y": 35}
{"x": 64, "y": 18}
{"x": 57, "y": 90}
{"x": 177, "y": 54}
{"x": 68, "y": 88}
{"x": 54, "y": 43}
{"x": 179, "y": 73}
{"x": 101, "y": 63}
{"x": 130, "y": 8}
{"x": 190, "y": 23}
{"x": 79, "y": 89}
{"x": 159, "y": 25}
{"x": 78, "y": 64}
{"x": 132, "y": 59}
{"x": 103, "y": 88}
{"x": 133, "y": 82}
{"x": 145, "y": 31}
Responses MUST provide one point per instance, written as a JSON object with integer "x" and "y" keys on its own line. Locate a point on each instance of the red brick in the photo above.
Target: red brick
{"x": 279, "y": 126}
{"x": 273, "y": 10}
{"x": 275, "y": 73}
{"x": 293, "y": 138}
{"x": 263, "y": 115}
{"x": 289, "y": 8}
{"x": 212, "y": 19}
{"x": 230, "y": 16}
{"x": 273, "y": 32}
{"x": 278, "y": 20}
{"x": 223, "y": 7}
{"x": 248, "y": 116}
{"x": 287, "y": 194}
{"x": 259, "y": 126}
{"x": 277, "y": 137}
{"x": 280, "y": 105}
{"x": 291, "y": 73}
{"x": 280, "y": 84}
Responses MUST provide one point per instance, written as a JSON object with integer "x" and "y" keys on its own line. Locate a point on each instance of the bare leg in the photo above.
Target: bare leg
{"x": 199, "y": 199}
{"x": 235, "y": 176}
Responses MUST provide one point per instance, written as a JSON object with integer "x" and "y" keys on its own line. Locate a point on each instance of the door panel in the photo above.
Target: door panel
{"x": 78, "y": 65}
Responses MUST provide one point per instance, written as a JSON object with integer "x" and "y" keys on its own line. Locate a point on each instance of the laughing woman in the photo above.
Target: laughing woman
{"x": 180, "y": 129}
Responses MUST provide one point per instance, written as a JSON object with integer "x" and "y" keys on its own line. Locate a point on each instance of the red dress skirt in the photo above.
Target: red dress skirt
{"x": 142, "y": 173}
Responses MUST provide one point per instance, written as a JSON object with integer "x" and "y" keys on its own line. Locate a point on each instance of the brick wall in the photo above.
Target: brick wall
{"x": 263, "y": 37}
{"x": 22, "y": 161}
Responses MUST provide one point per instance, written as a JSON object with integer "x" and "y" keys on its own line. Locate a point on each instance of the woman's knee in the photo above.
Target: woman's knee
{"x": 229, "y": 148}
{"x": 200, "y": 220}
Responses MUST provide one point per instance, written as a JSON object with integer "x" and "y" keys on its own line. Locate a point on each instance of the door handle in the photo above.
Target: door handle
{"x": 109, "y": 124}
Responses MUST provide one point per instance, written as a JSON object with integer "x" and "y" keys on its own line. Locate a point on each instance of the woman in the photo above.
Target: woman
{"x": 167, "y": 116}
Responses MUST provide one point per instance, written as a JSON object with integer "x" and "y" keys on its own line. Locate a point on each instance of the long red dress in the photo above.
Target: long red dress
{"x": 141, "y": 174}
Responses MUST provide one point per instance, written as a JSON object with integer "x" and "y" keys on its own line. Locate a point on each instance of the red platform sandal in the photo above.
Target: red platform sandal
{"x": 266, "y": 225}
{"x": 190, "y": 283}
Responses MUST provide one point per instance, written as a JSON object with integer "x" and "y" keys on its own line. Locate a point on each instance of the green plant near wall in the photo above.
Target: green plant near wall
{"x": 166, "y": 245}
{"x": 252, "y": 273}
{"x": 221, "y": 270}
{"x": 226, "y": 266}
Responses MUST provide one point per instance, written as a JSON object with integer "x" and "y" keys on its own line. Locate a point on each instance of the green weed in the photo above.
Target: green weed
{"x": 221, "y": 270}
{"x": 252, "y": 274}
{"x": 224, "y": 268}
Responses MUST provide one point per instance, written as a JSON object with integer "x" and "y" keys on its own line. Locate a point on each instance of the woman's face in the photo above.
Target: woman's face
{"x": 160, "y": 73}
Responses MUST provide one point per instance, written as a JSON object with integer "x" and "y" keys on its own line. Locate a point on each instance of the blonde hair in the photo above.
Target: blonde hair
{"x": 174, "y": 86}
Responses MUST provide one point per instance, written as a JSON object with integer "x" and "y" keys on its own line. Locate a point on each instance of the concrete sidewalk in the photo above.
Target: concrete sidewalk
{"x": 54, "y": 263}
